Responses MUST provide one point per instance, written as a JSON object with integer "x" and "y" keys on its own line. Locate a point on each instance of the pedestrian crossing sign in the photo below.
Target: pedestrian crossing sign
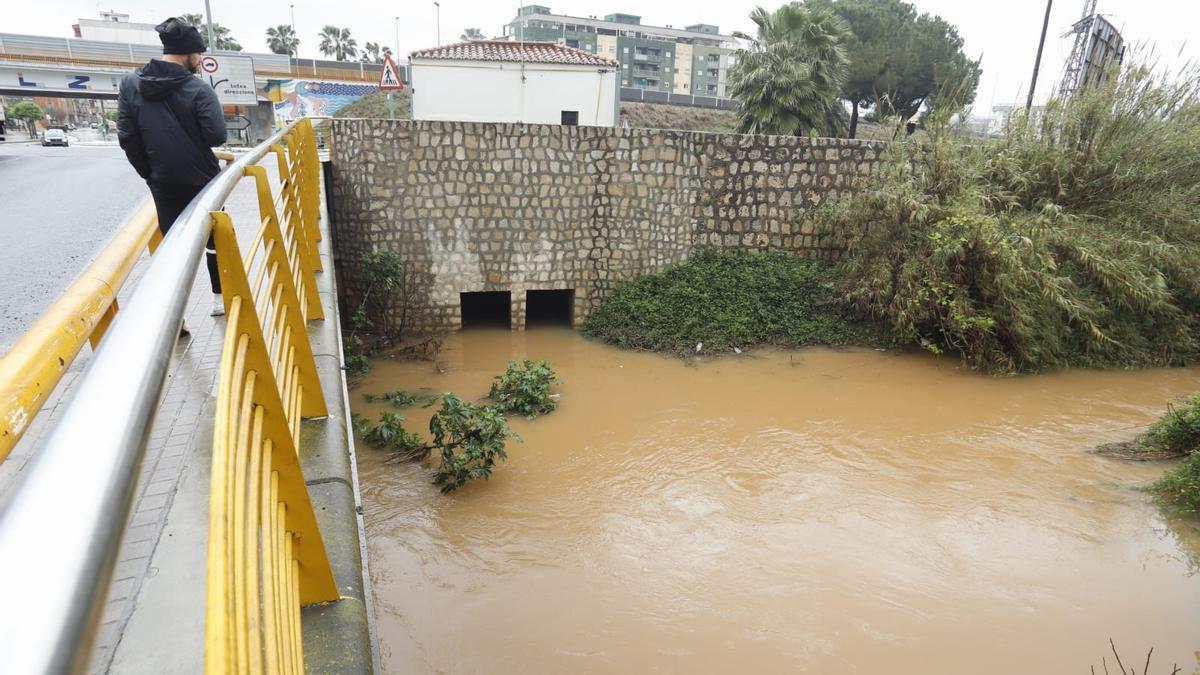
{"x": 389, "y": 79}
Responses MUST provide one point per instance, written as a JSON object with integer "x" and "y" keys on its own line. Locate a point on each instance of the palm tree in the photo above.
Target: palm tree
{"x": 373, "y": 53}
{"x": 195, "y": 20}
{"x": 337, "y": 42}
{"x": 282, "y": 39}
{"x": 789, "y": 78}
{"x": 472, "y": 34}
{"x": 221, "y": 33}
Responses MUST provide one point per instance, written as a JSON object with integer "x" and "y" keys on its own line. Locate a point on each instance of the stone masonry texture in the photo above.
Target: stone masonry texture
{"x": 516, "y": 207}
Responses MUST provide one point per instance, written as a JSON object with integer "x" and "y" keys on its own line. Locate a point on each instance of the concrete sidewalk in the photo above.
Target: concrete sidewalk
{"x": 154, "y": 618}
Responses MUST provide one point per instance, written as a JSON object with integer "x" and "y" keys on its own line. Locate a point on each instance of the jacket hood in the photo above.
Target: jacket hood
{"x": 157, "y": 79}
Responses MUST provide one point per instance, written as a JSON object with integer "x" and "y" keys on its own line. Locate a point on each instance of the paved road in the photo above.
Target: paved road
{"x": 58, "y": 208}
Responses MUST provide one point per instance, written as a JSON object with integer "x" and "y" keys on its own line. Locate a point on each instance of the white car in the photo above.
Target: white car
{"x": 55, "y": 136}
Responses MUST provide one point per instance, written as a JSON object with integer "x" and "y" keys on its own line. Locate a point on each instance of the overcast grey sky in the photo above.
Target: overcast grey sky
{"x": 1005, "y": 32}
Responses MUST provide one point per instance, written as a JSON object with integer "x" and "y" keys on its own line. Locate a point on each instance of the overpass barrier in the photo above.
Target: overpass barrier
{"x": 36, "y": 49}
{"x": 61, "y": 524}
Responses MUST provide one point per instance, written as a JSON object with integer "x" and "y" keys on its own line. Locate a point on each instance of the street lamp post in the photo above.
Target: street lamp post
{"x": 212, "y": 39}
{"x": 1037, "y": 61}
{"x": 295, "y": 47}
{"x": 438, "y": 8}
{"x": 396, "y": 45}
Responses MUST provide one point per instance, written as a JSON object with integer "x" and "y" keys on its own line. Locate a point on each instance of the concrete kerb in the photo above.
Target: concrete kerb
{"x": 338, "y": 637}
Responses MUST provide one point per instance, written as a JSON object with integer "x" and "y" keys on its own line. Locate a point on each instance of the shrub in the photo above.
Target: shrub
{"x": 1178, "y": 430}
{"x": 1180, "y": 487}
{"x": 726, "y": 301}
{"x": 389, "y": 434}
{"x": 403, "y": 399}
{"x": 470, "y": 439}
{"x": 354, "y": 355}
{"x": 1072, "y": 241}
{"x": 390, "y": 285}
{"x": 525, "y": 389}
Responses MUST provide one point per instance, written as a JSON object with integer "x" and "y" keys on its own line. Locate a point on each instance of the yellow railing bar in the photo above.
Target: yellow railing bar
{"x": 36, "y": 363}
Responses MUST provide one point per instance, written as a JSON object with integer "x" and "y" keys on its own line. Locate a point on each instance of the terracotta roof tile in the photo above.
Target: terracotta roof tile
{"x": 505, "y": 50}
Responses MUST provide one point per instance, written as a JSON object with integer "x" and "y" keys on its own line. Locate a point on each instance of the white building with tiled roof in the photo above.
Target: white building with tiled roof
{"x": 509, "y": 81}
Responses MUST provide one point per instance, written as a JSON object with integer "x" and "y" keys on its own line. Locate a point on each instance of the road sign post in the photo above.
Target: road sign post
{"x": 232, "y": 77}
{"x": 389, "y": 81}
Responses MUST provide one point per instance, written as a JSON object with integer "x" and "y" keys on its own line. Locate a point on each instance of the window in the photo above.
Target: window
{"x": 573, "y": 43}
{"x": 570, "y": 118}
{"x": 612, "y": 49}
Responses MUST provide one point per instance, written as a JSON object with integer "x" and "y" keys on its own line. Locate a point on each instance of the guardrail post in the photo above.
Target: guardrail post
{"x": 293, "y": 204}
{"x": 301, "y": 266}
{"x": 302, "y": 151}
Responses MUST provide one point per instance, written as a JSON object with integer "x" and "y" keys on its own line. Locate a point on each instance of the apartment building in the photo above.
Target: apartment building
{"x": 693, "y": 60}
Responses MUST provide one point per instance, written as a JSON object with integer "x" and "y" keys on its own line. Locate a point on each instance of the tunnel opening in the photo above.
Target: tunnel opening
{"x": 550, "y": 308}
{"x": 486, "y": 309}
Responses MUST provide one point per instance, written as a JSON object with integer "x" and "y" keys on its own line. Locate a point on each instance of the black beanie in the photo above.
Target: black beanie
{"x": 179, "y": 38}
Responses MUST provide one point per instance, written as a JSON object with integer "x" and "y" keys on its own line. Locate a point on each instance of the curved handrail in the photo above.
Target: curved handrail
{"x": 61, "y": 524}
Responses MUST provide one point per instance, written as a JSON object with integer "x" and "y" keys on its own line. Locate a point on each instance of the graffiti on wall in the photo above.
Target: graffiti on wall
{"x": 300, "y": 98}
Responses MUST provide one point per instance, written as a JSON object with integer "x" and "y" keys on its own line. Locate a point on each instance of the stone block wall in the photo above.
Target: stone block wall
{"x": 517, "y": 207}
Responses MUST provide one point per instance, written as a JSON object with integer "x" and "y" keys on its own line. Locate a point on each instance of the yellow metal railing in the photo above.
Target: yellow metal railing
{"x": 35, "y": 364}
{"x": 265, "y": 554}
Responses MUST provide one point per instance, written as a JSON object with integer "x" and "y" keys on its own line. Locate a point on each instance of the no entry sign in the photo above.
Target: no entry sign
{"x": 232, "y": 77}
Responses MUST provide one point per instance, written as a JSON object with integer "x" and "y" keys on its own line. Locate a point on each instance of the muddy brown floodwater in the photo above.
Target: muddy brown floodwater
{"x": 818, "y": 510}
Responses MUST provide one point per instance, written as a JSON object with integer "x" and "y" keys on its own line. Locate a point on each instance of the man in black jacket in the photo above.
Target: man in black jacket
{"x": 168, "y": 121}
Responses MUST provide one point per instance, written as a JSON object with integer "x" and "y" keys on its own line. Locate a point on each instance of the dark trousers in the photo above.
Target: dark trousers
{"x": 170, "y": 201}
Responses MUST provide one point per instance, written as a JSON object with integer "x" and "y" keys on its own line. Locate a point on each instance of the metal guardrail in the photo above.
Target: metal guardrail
{"x": 32, "y": 368}
{"x": 61, "y": 524}
{"x": 265, "y": 554}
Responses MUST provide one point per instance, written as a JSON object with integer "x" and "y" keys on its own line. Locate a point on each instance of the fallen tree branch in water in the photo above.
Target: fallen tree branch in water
{"x": 1175, "y": 670}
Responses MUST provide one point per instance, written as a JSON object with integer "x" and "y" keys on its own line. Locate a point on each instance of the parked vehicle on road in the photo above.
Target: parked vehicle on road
{"x": 55, "y": 136}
